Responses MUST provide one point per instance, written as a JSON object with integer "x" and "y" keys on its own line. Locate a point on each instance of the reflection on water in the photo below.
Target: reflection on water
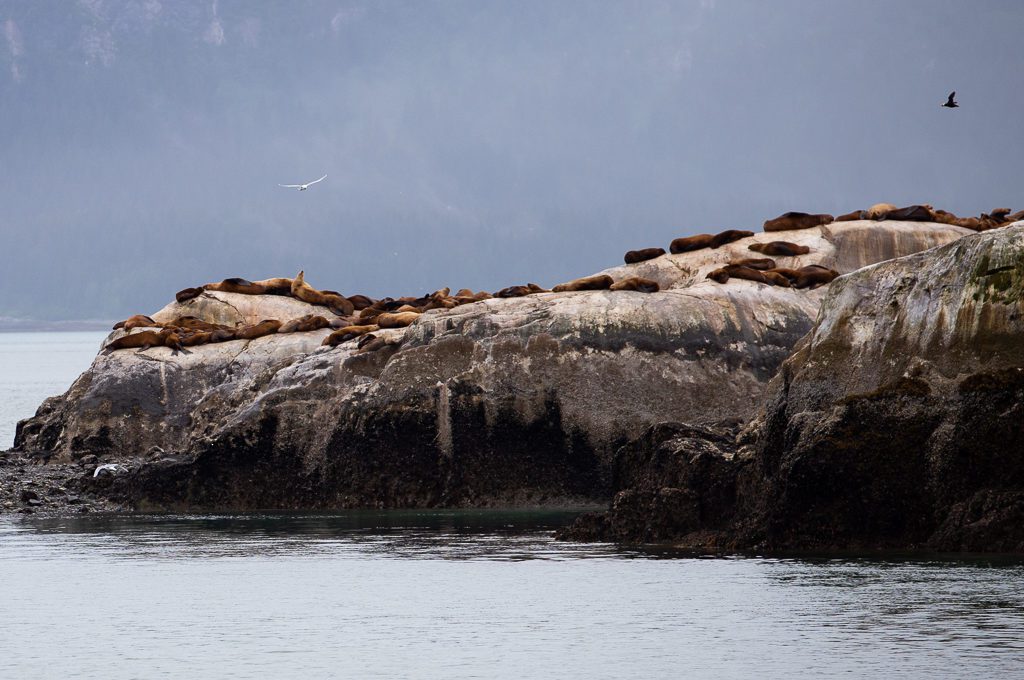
{"x": 475, "y": 594}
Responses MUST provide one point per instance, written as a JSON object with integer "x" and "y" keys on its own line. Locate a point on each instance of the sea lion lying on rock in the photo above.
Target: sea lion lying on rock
{"x": 732, "y": 271}
{"x": 396, "y": 319}
{"x": 686, "y": 244}
{"x": 520, "y": 291}
{"x": 348, "y": 333}
{"x": 797, "y": 220}
{"x": 304, "y": 324}
{"x": 811, "y": 276}
{"x": 143, "y": 340}
{"x": 779, "y": 249}
{"x": 136, "y": 321}
{"x": 183, "y": 296}
{"x": 760, "y": 263}
{"x": 258, "y": 330}
{"x": 337, "y": 303}
{"x": 595, "y": 282}
{"x": 850, "y": 216}
{"x": 878, "y": 211}
{"x": 642, "y": 255}
{"x": 728, "y": 236}
{"x": 236, "y": 285}
{"x": 636, "y": 283}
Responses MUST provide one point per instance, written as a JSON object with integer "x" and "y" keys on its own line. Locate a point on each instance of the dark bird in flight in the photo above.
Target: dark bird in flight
{"x": 950, "y": 104}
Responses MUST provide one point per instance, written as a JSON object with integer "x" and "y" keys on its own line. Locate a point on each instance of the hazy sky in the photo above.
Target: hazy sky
{"x": 470, "y": 144}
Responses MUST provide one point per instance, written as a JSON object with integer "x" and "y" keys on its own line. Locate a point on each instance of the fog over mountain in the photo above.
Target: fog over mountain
{"x": 467, "y": 143}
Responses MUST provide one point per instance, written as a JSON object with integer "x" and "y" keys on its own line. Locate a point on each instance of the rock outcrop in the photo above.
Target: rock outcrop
{"x": 897, "y": 423}
{"x": 520, "y": 400}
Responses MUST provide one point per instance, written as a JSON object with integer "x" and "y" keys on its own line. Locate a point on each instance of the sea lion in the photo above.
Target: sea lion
{"x": 396, "y": 319}
{"x": 136, "y": 321}
{"x": 347, "y": 333}
{"x": 790, "y": 274}
{"x": 848, "y": 217}
{"x": 686, "y": 244}
{"x": 304, "y": 324}
{"x": 911, "y": 213}
{"x": 777, "y": 279}
{"x": 878, "y": 211}
{"x": 797, "y": 220}
{"x": 512, "y": 292}
{"x": 365, "y": 339}
{"x": 222, "y": 335}
{"x": 236, "y": 285}
{"x": 723, "y": 274}
{"x": 969, "y": 223}
{"x": 813, "y": 276}
{"x": 595, "y": 282}
{"x": 258, "y": 330}
{"x": 1015, "y": 217}
{"x": 642, "y": 255}
{"x": 637, "y": 284}
{"x": 334, "y": 301}
{"x": 943, "y": 217}
{"x": 143, "y": 340}
{"x": 779, "y": 249}
{"x": 760, "y": 263}
{"x": 196, "y": 338}
{"x": 193, "y": 324}
{"x": 728, "y": 236}
{"x": 276, "y": 286}
{"x": 187, "y": 294}
{"x": 360, "y": 301}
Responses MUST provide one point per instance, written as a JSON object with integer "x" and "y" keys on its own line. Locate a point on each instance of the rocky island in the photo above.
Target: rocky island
{"x": 879, "y": 410}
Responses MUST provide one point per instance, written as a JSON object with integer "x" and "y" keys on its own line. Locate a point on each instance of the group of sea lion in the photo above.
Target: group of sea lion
{"x": 188, "y": 331}
{"x": 764, "y": 270}
{"x": 998, "y": 217}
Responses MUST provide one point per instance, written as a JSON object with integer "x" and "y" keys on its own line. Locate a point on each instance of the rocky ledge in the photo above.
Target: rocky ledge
{"x": 502, "y": 401}
{"x": 897, "y": 423}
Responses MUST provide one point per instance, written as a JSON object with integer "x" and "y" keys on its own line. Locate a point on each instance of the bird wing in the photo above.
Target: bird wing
{"x": 951, "y": 96}
{"x": 290, "y": 186}
{"x": 318, "y": 180}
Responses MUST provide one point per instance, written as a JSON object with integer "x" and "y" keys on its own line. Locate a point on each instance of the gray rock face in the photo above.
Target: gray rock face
{"x": 499, "y": 401}
{"x": 897, "y": 423}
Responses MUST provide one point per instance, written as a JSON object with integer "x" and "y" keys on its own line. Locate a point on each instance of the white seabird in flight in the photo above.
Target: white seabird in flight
{"x": 302, "y": 187}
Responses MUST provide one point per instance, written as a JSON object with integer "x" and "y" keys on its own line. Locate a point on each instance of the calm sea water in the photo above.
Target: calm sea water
{"x": 462, "y": 595}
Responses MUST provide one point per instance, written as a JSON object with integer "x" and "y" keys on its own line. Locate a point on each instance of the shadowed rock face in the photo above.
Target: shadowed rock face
{"x": 897, "y": 423}
{"x": 502, "y": 401}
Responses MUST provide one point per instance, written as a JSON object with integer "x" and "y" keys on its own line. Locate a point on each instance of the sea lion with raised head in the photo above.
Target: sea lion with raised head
{"x": 336, "y": 302}
{"x": 636, "y": 283}
{"x": 760, "y": 263}
{"x": 779, "y": 249}
{"x": 728, "y": 236}
{"x": 797, "y": 220}
{"x": 642, "y": 255}
{"x": 686, "y": 244}
{"x": 183, "y": 296}
{"x": 595, "y": 282}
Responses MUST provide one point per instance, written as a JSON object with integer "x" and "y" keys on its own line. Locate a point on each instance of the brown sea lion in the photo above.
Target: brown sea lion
{"x": 878, "y": 211}
{"x": 365, "y": 340}
{"x": 236, "y": 285}
{"x": 194, "y": 324}
{"x": 304, "y": 324}
{"x": 222, "y": 335}
{"x": 258, "y": 330}
{"x": 969, "y": 223}
{"x": 797, "y": 220}
{"x": 196, "y": 338}
{"x": 187, "y": 294}
{"x": 1015, "y": 217}
{"x": 360, "y": 301}
{"x": 136, "y": 321}
{"x": 813, "y": 276}
{"x": 396, "y": 319}
{"x": 275, "y": 286}
{"x": 943, "y": 217}
{"x": 791, "y": 274}
{"x": 761, "y": 263}
{"x": 636, "y": 283}
{"x": 512, "y": 292}
{"x": 777, "y": 279}
{"x": 348, "y": 333}
{"x": 911, "y": 213}
{"x": 534, "y": 288}
{"x": 595, "y": 282}
{"x": 849, "y": 217}
{"x": 779, "y": 249}
{"x": 144, "y": 340}
{"x": 728, "y": 236}
{"x": 723, "y": 274}
{"x": 334, "y": 301}
{"x": 642, "y": 255}
{"x": 686, "y": 244}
